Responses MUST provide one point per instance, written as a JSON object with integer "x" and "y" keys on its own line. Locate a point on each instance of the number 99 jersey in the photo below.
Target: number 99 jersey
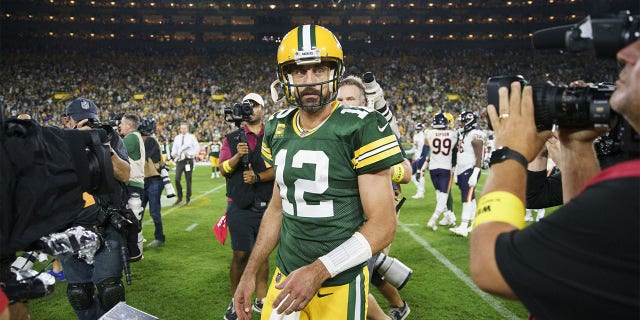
{"x": 441, "y": 143}
{"x": 317, "y": 174}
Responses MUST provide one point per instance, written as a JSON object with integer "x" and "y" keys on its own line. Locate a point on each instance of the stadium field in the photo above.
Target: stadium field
{"x": 188, "y": 278}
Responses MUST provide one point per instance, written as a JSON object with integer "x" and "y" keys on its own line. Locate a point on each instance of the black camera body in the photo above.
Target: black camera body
{"x": 93, "y": 123}
{"x": 568, "y": 107}
{"x": 604, "y": 35}
{"x": 239, "y": 112}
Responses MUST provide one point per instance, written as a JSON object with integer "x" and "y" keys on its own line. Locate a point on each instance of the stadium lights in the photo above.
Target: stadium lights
{"x": 392, "y": 5}
{"x": 272, "y": 6}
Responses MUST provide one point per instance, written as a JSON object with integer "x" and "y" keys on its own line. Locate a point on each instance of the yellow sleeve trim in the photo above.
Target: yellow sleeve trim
{"x": 500, "y": 206}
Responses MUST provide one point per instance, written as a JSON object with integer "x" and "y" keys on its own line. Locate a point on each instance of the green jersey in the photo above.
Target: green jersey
{"x": 317, "y": 174}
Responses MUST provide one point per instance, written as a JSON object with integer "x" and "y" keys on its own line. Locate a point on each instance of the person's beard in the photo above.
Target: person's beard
{"x": 311, "y": 105}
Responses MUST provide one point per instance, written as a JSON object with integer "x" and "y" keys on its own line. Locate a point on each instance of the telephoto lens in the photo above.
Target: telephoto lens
{"x": 168, "y": 187}
{"x": 392, "y": 270}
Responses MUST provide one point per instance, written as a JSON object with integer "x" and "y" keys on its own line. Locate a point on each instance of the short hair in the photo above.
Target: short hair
{"x": 133, "y": 119}
{"x": 354, "y": 81}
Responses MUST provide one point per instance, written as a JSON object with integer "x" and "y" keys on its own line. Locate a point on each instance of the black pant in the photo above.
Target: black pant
{"x": 179, "y": 170}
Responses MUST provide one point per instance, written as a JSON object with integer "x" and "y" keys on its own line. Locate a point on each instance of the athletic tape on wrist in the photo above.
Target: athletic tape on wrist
{"x": 398, "y": 173}
{"x": 349, "y": 254}
{"x": 500, "y": 206}
{"x": 227, "y": 167}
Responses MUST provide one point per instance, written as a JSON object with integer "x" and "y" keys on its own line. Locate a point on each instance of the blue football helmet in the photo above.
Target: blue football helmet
{"x": 468, "y": 120}
{"x": 440, "y": 121}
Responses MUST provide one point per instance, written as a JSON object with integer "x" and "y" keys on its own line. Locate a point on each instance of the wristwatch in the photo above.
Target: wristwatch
{"x": 504, "y": 153}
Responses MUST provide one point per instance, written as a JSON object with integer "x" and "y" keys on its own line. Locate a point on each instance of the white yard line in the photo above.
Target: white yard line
{"x": 490, "y": 300}
{"x": 191, "y": 227}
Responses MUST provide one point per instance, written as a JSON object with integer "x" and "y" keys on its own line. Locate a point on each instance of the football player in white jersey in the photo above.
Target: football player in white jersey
{"x": 441, "y": 141}
{"x": 469, "y": 160}
{"x": 418, "y": 160}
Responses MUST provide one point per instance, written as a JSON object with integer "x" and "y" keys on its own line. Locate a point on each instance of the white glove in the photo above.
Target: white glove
{"x": 473, "y": 179}
{"x": 375, "y": 96}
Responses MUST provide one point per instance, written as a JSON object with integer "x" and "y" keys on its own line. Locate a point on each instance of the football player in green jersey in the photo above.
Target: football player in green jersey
{"x": 332, "y": 203}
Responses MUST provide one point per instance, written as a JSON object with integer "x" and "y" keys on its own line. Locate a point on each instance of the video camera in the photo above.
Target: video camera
{"x": 239, "y": 112}
{"x": 605, "y": 35}
{"x": 575, "y": 107}
{"x": 45, "y": 170}
{"x": 568, "y": 107}
{"x": 147, "y": 126}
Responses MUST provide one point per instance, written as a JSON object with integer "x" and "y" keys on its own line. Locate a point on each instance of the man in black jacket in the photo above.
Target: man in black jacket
{"x": 249, "y": 188}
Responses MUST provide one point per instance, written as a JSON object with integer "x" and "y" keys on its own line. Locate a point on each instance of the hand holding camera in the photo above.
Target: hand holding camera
{"x": 513, "y": 121}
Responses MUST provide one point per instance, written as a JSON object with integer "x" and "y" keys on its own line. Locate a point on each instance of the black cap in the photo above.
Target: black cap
{"x": 81, "y": 108}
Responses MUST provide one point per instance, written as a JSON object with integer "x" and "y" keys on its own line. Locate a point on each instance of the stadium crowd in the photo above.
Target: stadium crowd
{"x": 195, "y": 84}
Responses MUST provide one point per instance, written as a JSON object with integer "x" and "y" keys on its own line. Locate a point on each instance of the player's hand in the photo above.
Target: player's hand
{"x": 300, "y": 287}
{"x": 242, "y": 297}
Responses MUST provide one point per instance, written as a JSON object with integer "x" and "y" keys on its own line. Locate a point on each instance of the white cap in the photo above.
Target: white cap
{"x": 254, "y": 97}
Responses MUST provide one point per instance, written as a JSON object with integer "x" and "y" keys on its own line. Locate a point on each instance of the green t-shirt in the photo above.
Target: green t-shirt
{"x": 317, "y": 174}
{"x": 132, "y": 143}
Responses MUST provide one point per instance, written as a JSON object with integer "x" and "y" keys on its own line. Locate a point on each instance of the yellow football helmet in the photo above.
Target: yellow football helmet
{"x": 309, "y": 44}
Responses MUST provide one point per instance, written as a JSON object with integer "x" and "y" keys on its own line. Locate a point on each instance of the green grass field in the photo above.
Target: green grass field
{"x": 188, "y": 277}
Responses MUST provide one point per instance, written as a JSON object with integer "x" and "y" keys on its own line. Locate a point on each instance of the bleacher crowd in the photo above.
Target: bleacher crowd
{"x": 195, "y": 84}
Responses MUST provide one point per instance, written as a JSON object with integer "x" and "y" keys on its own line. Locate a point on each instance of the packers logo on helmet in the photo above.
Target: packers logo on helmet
{"x": 305, "y": 45}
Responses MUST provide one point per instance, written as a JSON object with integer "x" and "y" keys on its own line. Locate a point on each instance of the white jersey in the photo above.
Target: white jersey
{"x": 418, "y": 144}
{"x": 466, "y": 157}
{"x": 441, "y": 143}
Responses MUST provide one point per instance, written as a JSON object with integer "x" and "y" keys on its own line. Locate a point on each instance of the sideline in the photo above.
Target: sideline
{"x": 166, "y": 202}
{"x": 489, "y": 299}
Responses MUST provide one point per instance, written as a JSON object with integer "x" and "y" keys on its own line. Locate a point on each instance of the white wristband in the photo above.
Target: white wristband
{"x": 349, "y": 254}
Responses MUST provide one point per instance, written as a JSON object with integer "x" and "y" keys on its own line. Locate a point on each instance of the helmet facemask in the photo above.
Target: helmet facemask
{"x": 295, "y": 92}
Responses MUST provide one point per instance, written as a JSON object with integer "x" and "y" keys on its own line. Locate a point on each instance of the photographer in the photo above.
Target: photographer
{"x": 153, "y": 184}
{"x": 575, "y": 263}
{"x": 249, "y": 188}
{"x": 185, "y": 148}
{"x": 128, "y": 129}
{"x": 106, "y": 271}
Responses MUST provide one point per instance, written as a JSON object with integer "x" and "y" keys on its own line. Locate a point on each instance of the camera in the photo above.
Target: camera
{"x": 239, "y": 112}
{"x": 568, "y": 107}
{"x": 605, "y": 35}
{"x": 392, "y": 270}
{"x": 93, "y": 123}
{"x": 168, "y": 187}
{"x": 147, "y": 126}
{"x": 25, "y": 283}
